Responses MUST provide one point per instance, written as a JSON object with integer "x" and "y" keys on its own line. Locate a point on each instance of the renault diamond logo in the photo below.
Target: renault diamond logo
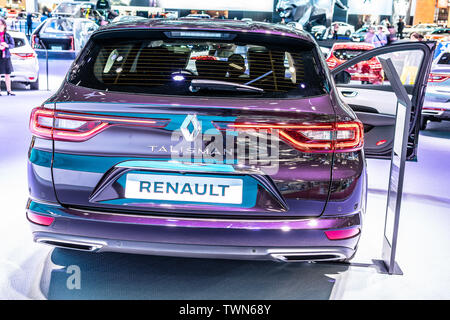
{"x": 191, "y": 127}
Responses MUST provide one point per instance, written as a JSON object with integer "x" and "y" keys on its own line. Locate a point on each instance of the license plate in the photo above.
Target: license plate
{"x": 56, "y": 47}
{"x": 183, "y": 188}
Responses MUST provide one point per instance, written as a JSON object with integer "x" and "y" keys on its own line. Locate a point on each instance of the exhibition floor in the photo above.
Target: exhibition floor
{"x": 36, "y": 271}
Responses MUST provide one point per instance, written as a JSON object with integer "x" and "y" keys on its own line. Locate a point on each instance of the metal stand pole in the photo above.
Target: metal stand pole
{"x": 46, "y": 62}
{"x": 387, "y": 264}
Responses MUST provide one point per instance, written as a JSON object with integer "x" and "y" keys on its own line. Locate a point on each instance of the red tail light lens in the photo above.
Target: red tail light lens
{"x": 434, "y": 77}
{"x": 33, "y": 41}
{"x": 434, "y": 108}
{"x": 72, "y": 44}
{"x": 321, "y": 137}
{"x": 342, "y": 234}
{"x": 332, "y": 62}
{"x": 25, "y": 55}
{"x": 49, "y": 124}
{"x": 40, "y": 219}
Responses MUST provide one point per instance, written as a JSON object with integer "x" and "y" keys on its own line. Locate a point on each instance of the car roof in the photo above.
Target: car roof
{"x": 210, "y": 25}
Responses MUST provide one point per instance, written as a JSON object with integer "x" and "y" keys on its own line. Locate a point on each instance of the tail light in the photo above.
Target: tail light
{"x": 342, "y": 234}
{"x": 72, "y": 44}
{"x": 40, "y": 219}
{"x": 332, "y": 62}
{"x": 320, "y": 137}
{"x": 25, "y": 55}
{"x": 77, "y": 127}
{"x": 33, "y": 41}
{"x": 375, "y": 64}
{"x": 433, "y": 109}
{"x": 435, "y": 77}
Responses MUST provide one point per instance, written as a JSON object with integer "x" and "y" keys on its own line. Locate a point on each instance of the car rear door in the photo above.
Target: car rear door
{"x": 375, "y": 104}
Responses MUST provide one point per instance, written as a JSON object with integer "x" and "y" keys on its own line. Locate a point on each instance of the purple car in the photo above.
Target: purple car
{"x": 223, "y": 139}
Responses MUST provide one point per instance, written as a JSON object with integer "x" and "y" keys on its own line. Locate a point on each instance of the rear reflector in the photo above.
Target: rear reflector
{"x": 39, "y": 219}
{"x": 342, "y": 234}
{"x": 48, "y": 124}
{"x": 308, "y": 137}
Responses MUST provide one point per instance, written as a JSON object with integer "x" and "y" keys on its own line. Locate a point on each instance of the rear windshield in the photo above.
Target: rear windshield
{"x": 19, "y": 42}
{"x": 68, "y": 8}
{"x": 445, "y": 58}
{"x": 59, "y": 25}
{"x": 200, "y": 68}
{"x": 347, "y": 54}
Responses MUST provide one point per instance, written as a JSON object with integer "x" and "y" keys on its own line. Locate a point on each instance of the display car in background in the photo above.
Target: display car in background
{"x": 35, "y": 16}
{"x": 323, "y": 32}
{"x": 24, "y": 61}
{"x": 366, "y": 71}
{"x": 295, "y": 25}
{"x": 153, "y": 145}
{"x": 438, "y": 34}
{"x": 62, "y": 34}
{"x": 422, "y": 28}
{"x": 3, "y": 13}
{"x": 12, "y": 13}
{"x": 360, "y": 34}
{"x": 437, "y": 99}
{"x": 127, "y": 19}
{"x": 198, "y": 16}
{"x": 72, "y": 9}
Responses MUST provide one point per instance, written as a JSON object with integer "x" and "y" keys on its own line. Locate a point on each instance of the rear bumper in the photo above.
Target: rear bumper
{"x": 27, "y": 77}
{"x": 436, "y": 114}
{"x": 280, "y": 240}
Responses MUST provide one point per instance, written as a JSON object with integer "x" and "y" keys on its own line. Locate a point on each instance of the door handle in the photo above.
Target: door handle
{"x": 349, "y": 94}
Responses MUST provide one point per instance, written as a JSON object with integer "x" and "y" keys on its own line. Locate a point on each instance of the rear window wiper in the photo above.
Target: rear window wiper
{"x": 198, "y": 84}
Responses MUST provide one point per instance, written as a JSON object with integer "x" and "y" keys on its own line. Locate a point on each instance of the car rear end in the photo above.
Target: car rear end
{"x": 436, "y": 106}
{"x": 366, "y": 71}
{"x": 54, "y": 34}
{"x": 151, "y": 148}
{"x": 24, "y": 60}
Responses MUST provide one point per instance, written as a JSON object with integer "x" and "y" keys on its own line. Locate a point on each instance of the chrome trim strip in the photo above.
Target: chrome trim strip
{"x": 281, "y": 219}
{"x": 95, "y": 246}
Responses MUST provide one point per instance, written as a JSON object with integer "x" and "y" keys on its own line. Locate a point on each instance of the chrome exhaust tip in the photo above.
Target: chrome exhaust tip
{"x": 74, "y": 245}
{"x": 308, "y": 257}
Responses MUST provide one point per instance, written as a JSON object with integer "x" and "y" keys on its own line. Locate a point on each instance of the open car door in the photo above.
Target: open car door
{"x": 364, "y": 86}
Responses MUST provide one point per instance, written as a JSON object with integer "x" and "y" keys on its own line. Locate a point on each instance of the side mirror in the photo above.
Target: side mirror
{"x": 342, "y": 77}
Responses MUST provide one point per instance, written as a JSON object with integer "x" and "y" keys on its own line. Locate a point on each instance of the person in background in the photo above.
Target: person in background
{"x": 359, "y": 25}
{"x": 416, "y": 37}
{"x": 392, "y": 37}
{"x": 335, "y": 31}
{"x": 29, "y": 23}
{"x": 411, "y": 62}
{"x": 369, "y": 35}
{"x": 379, "y": 39}
{"x": 44, "y": 16}
{"x": 400, "y": 27}
{"x": 6, "y": 43}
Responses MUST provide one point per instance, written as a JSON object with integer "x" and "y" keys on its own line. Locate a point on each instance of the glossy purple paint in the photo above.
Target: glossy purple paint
{"x": 310, "y": 193}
